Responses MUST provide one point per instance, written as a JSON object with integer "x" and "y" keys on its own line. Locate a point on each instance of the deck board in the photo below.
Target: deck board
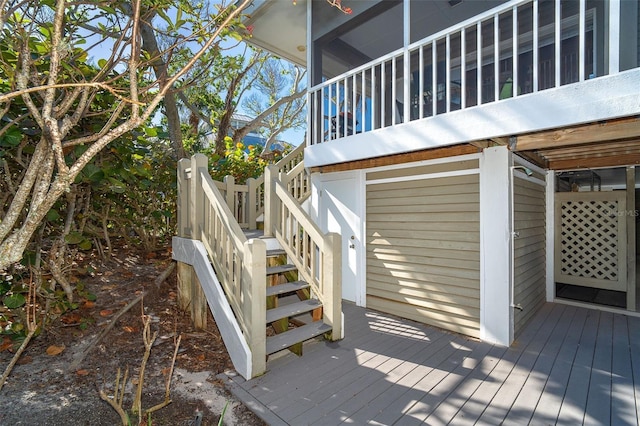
{"x": 623, "y": 405}
{"x": 548, "y": 381}
{"x": 532, "y": 367}
{"x": 598, "y": 410}
{"x": 569, "y": 365}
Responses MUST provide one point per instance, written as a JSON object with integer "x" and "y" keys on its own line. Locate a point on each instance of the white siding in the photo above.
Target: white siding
{"x": 423, "y": 249}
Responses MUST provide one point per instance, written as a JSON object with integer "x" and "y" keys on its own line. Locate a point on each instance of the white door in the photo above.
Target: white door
{"x": 340, "y": 212}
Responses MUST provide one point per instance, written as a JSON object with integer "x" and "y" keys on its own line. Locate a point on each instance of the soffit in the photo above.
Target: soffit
{"x": 607, "y": 144}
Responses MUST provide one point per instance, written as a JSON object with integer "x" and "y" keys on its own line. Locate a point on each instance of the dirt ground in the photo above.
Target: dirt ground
{"x": 44, "y": 390}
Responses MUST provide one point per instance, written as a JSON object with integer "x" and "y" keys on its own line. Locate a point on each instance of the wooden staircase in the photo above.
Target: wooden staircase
{"x": 292, "y": 315}
{"x": 263, "y": 300}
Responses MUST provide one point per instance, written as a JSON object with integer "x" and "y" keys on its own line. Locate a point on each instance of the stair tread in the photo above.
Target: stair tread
{"x": 286, "y": 288}
{"x": 292, "y": 309}
{"x": 279, "y": 269}
{"x": 275, "y": 252}
{"x": 296, "y": 335}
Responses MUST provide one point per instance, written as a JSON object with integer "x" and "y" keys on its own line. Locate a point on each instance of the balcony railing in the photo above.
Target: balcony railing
{"x": 520, "y": 47}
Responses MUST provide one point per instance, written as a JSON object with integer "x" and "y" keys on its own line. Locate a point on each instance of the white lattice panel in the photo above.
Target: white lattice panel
{"x": 591, "y": 239}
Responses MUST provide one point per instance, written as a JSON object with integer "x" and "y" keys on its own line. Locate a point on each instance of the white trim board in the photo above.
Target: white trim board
{"x": 192, "y": 252}
{"x": 425, "y": 176}
{"x": 597, "y": 99}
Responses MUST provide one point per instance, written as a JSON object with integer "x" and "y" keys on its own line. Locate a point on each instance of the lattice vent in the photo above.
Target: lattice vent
{"x": 590, "y": 239}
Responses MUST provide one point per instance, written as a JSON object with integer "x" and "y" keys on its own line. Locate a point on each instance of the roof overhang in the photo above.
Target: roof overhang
{"x": 280, "y": 27}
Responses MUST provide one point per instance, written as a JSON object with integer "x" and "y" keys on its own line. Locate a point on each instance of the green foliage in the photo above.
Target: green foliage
{"x": 13, "y": 293}
{"x": 239, "y": 161}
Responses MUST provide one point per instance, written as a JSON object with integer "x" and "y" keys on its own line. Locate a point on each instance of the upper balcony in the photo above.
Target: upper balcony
{"x": 403, "y": 75}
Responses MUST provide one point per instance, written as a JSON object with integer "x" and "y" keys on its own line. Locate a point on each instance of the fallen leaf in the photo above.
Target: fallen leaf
{"x": 165, "y": 371}
{"x": 128, "y": 329}
{"x": 55, "y": 350}
{"x": 5, "y": 344}
{"x": 25, "y": 359}
{"x": 82, "y": 372}
{"x": 201, "y": 357}
{"x": 138, "y": 292}
{"x": 71, "y": 318}
{"x": 74, "y": 279}
{"x": 106, "y": 312}
{"x": 89, "y": 304}
{"x": 172, "y": 295}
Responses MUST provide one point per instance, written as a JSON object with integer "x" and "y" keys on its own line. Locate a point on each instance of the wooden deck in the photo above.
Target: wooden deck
{"x": 569, "y": 366}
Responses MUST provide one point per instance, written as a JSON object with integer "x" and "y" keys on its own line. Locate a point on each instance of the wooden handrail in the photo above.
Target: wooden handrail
{"x": 316, "y": 255}
{"x": 240, "y": 265}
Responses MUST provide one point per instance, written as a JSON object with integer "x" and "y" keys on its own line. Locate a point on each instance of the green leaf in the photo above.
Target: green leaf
{"x": 12, "y": 137}
{"x": 53, "y": 215}
{"x": 74, "y": 237}
{"x": 85, "y": 245}
{"x": 102, "y": 63}
{"x": 14, "y": 301}
{"x": 151, "y": 131}
{"x": 93, "y": 173}
{"x": 28, "y": 258}
{"x": 116, "y": 186}
{"x": 91, "y": 297}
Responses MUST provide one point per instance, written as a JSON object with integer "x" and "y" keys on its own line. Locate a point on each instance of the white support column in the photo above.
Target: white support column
{"x": 496, "y": 312}
{"x": 550, "y": 234}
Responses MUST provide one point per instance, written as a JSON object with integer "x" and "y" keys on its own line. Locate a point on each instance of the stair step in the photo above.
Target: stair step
{"x": 275, "y": 252}
{"x": 286, "y": 288}
{"x": 292, "y": 309}
{"x": 296, "y": 335}
{"x": 279, "y": 269}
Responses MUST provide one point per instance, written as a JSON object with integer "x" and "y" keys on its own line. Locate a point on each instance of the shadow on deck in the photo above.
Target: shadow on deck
{"x": 570, "y": 365}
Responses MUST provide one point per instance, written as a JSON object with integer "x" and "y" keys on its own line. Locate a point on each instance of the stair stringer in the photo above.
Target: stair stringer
{"x": 193, "y": 252}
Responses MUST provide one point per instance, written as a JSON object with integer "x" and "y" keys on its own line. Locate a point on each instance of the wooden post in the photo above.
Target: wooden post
{"x": 184, "y": 177}
{"x": 251, "y": 206}
{"x": 631, "y": 238}
{"x": 196, "y": 202}
{"x": 254, "y": 301}
{"x": 270, "y": 206}
{"x": 198, "y": 304}
{"x": 198, "y": 301}
{"x": 184, "y": 271}
{"x": 230, "y": 195}
{"x": 332, "y": 283}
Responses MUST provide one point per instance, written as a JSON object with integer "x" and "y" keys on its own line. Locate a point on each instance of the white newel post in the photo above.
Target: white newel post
{"x": 196, "y": 209}
{"x": 254, "y": 302}
{"x": 196, "y": 203}
{"x": 270, "y": 206}
{"x": 230, "y": 194}
{"x": 184, "y": 271}
{"x": 496, "y": 312}
{"x": 252, "y": 203}
{"x": 332, "y": 283}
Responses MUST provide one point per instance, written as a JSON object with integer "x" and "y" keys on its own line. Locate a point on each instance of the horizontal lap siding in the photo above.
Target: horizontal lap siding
{"x": 423, "y": 249}
{"x": 529, "y": 250}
